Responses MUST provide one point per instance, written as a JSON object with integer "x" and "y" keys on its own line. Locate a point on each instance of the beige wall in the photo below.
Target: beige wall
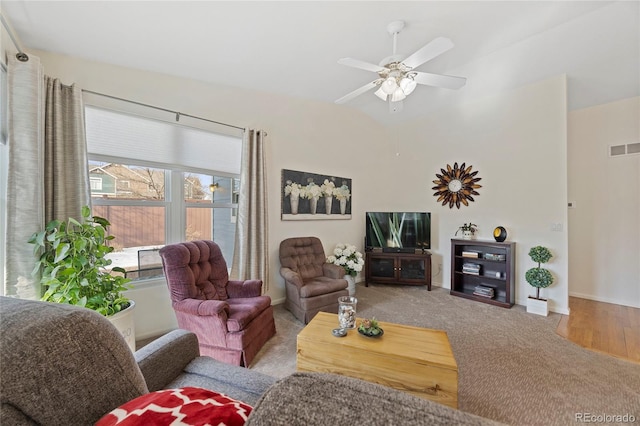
{"x": 604, "y": 237}
{"x": 517, "y": 142}
{"x": 302, "y": 135}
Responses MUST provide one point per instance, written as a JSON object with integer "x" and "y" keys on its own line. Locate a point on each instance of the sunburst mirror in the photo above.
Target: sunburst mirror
{"x": 456, "y": 185}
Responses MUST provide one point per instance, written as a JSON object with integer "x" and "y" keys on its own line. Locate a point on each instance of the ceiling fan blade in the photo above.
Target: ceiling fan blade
{"x": 436, "y": 47}
{"x": 357, "y": 92}
{"x": 356, "y": 63}
{"x": 438, "y": 80}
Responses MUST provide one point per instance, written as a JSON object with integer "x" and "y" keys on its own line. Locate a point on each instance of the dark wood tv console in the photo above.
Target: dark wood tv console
{"x": 398, "y": 268}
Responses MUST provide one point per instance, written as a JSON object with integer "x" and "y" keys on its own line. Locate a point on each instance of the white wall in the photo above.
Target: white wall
{"x": 302, "y": 135}
{"x": 517, "y": 142}
{"x": 604, "y": 238}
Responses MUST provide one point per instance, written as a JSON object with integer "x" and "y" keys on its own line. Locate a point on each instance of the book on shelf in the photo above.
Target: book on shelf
{"x": 473, "y": 254}
{"x": 488, "y": 296}
{"x": 484, "y": 291}
{"x": 471, "y": 268}
{"x": 495, "y": 256}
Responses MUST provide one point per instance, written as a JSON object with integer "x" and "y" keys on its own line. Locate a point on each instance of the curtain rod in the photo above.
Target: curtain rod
{"x": 21, "y": 56}
{"x": 177, "y": 113}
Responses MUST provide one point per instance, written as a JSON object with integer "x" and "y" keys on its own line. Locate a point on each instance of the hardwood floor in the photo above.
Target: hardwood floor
{"x": 603, "y": 327}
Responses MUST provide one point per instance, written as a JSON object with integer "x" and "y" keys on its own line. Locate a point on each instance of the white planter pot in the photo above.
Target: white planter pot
{"x": 123, "y": 321}
{"x": 352, "y": 284}
{"x": 537, "y": 306}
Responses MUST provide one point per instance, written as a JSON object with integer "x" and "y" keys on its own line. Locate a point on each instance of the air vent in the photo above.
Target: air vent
{"x": 623, "y": 150}
{"x": 616, "y": 150}
{"x": 633, "y": 148}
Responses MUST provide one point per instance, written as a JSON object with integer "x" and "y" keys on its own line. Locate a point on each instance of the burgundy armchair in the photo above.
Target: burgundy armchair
{"x": 312, "y": 285}
{"x": 231, "y": 319}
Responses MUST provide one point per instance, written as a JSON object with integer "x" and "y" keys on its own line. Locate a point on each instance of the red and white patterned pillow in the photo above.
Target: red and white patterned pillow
{"x": 185, "y": 406}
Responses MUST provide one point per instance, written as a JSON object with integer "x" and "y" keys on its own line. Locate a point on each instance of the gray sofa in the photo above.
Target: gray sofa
{"x": 64, "y": 365}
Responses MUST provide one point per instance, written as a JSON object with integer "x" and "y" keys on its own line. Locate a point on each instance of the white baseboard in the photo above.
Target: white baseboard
{"x": 605, "y": 299}
{"x": 278, "y": 301}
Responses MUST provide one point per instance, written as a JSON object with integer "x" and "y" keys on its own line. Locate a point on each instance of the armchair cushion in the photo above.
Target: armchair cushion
{"x": 333, "y": 271}
{"x": 303, "y": 255}
{"x": 197, "y": 271}
{"x": 245, "y": 310}
{"x": 248, "y": 288}
{"x": 202, "y": 307}
{"x": 321, "y": 285}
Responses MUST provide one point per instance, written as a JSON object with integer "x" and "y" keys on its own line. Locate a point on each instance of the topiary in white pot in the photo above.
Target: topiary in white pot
{"x": 539, "y": 277}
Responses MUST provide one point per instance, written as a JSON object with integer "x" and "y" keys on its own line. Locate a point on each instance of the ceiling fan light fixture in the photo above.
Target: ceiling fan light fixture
{"x": 389, "y": 85}
{"x": 381, "y": 94}
{"x": 408, "y": 85}
{"x": 398, "y": 95}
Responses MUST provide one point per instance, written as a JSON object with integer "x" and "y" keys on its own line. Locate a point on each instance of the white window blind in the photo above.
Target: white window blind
{"x": 116, "y": 134}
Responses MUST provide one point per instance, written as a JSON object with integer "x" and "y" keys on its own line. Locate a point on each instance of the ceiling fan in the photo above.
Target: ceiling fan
{"x": 397, "y": 77}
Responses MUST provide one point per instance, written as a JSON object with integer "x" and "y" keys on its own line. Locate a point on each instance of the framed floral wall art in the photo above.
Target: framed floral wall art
{"x": 311, "y": 196}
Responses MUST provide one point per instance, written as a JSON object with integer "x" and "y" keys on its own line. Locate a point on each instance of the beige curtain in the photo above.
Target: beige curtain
{"x": 251, "y": 255}
{"x": 25, "y": 194}
{"x": 66, "y": 177}
{"x": 47, "y": 165}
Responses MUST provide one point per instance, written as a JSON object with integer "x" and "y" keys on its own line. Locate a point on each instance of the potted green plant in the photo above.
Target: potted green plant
{"x": 468, "y": 230}
{"x": 370, "y": 328}
{"x": 539, "y": 277}
{"x": 73, "y": 267}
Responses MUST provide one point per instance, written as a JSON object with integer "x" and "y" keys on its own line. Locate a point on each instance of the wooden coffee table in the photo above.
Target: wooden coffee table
{"x": 412, "y": 359}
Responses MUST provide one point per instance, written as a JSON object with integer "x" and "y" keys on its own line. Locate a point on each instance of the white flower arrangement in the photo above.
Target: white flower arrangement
{"x": 342, "y": 193}
{"x": 327, "y": 188}
{"x": 348, "y": 257}
{"x": 294, "y": 189}
{"x": 312, "y": 191}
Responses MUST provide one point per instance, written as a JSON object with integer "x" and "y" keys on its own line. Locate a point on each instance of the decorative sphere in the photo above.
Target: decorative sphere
{"x": 500, "y": 234}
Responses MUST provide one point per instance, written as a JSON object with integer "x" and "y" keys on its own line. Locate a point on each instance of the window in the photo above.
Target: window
{"x": 148, "y": 179}
{"x": 96, "y": 184}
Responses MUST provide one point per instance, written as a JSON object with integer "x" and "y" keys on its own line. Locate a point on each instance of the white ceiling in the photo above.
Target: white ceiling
{"x": 292, "y": 47}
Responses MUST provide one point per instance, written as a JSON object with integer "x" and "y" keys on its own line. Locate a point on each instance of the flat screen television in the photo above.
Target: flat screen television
{"x": 398, "y": 231}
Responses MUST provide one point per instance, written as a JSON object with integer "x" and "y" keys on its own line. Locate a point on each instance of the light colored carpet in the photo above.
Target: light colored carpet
{"x": 512, "y": 366}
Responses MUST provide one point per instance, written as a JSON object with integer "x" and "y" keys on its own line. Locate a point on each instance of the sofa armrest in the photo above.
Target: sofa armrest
{"x": 247, "y": 288}
{"x": 320, "y": 400}
{"x": 333, "y": 271}
{"x": 291, "y": 276}
{"x": 202, "y": 307}
{"x": 165, "y": 358}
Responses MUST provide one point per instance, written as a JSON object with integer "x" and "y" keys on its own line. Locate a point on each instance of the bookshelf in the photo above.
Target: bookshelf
{"x": 483, "y": 271}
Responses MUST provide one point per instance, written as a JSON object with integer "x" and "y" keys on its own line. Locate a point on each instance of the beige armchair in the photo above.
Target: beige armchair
{"x": 311, "y": 284}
